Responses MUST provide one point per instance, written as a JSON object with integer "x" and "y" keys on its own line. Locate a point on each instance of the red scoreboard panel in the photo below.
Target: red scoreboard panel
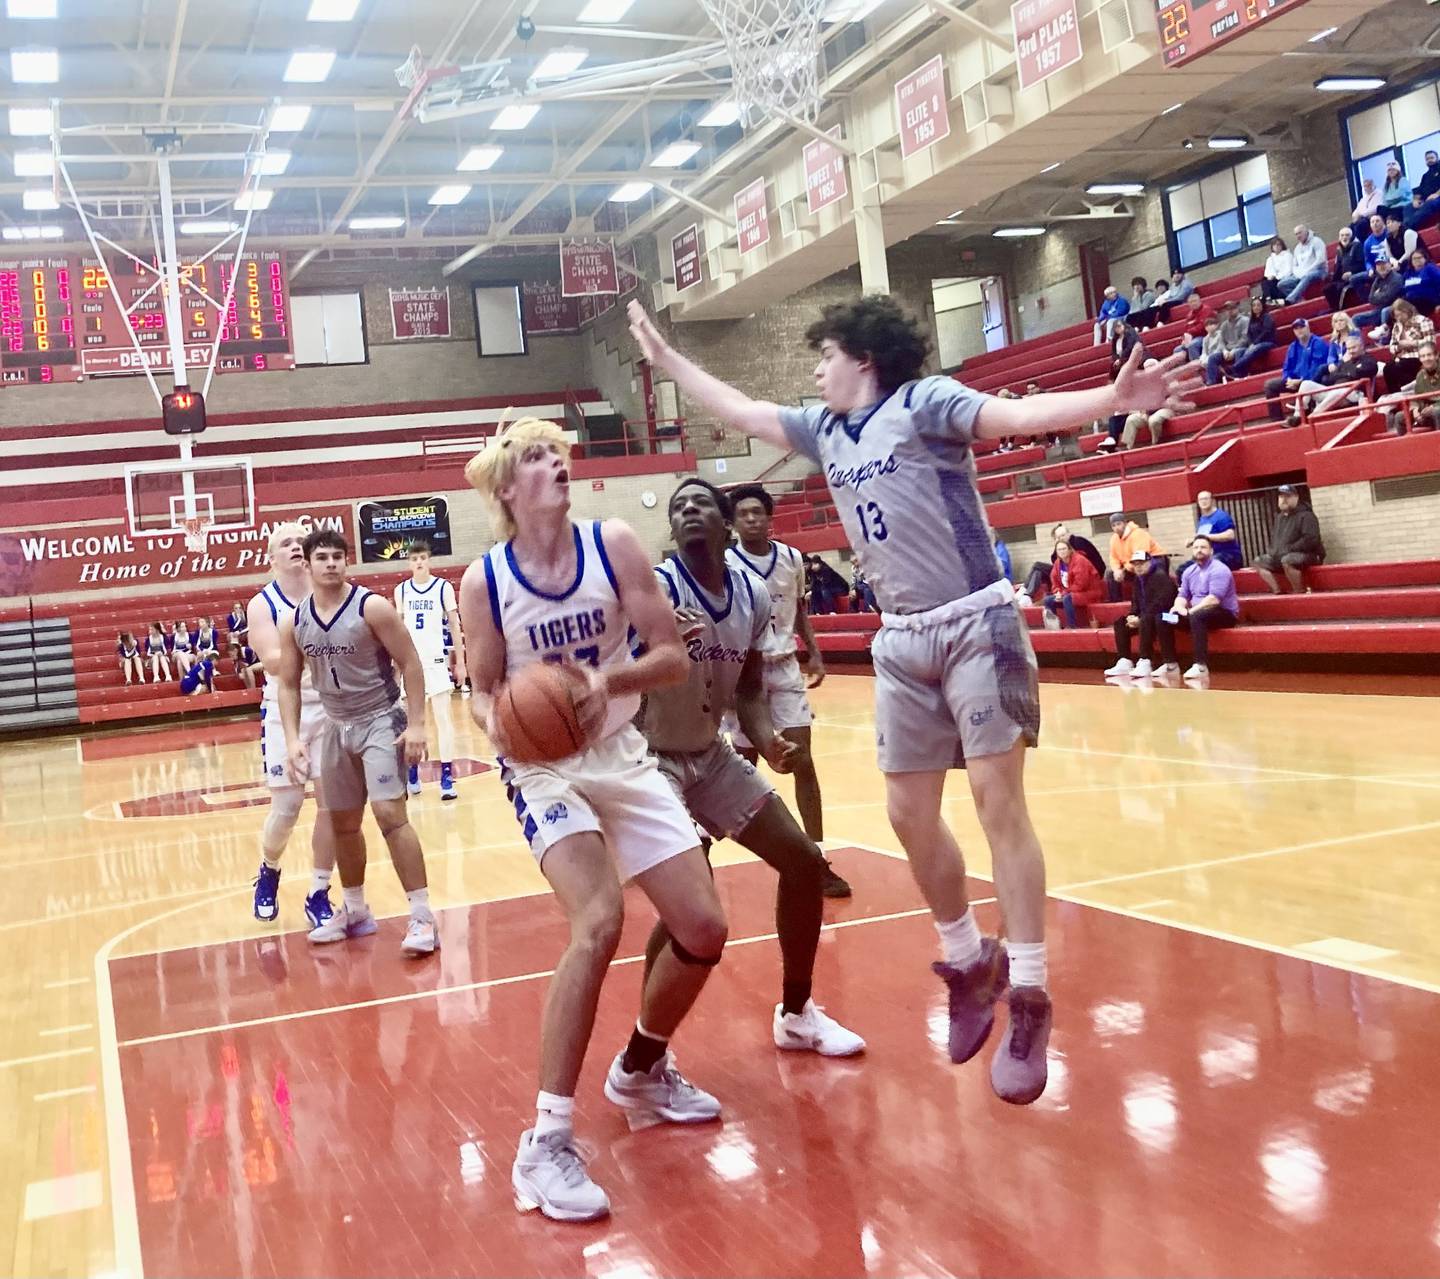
{"x": 59, "y": 321}
{"x": 1190, "y": 28}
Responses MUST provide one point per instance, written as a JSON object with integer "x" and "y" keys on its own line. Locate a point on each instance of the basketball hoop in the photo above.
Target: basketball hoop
{"x": 774, "y": 48}
{"x": 197, "y": 533}
{"x": 408, "y": 73}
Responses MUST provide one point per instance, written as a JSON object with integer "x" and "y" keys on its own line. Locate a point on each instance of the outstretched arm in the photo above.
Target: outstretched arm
{"x": 759, "y": 418}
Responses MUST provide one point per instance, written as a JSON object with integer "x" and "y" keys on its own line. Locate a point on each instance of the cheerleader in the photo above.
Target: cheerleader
{"x": 128, "y": 652}
{"x": 155, "y": 650}
{"x": 181, "y": 646}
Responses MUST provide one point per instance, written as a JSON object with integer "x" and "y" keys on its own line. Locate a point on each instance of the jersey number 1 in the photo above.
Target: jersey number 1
{"x": 872, "y": 527}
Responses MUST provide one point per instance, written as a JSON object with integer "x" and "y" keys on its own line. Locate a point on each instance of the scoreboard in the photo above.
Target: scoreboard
{"x": 1189, "y": 28}
{"x": 59, "y": 321}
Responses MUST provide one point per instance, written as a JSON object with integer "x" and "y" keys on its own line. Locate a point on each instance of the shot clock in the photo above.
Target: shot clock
{"x": 1191, "y": 28}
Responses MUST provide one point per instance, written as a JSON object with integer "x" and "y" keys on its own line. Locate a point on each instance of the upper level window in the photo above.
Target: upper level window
{"x": 1226, "y": 211}
{"x": 1401, "y": 128}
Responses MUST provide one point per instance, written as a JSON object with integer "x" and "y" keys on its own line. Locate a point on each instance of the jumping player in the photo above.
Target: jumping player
{"x": 724, "y": 613}
{"x": 279, "y": 599}
{"x": 427, "y": 606}
{"x": 558, "y": 591}
{"x": 352, "y": 640}
{"x": 782, "y": 568}
{"x": 955, "y": 676}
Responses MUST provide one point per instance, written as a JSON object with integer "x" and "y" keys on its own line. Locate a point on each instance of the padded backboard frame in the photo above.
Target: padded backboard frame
{"x": 160, "y": 496}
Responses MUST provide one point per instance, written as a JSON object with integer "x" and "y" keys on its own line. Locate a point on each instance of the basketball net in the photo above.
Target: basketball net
{"x": 774, "y": 48}
{"x": 197, "y": 533}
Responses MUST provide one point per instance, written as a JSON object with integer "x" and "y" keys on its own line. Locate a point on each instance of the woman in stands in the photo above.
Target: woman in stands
{"x": 155, "y": 650}
{"x": 1259, "y": 341}
{"x": 1341, "y": 327}
{"x": 1422, "y": 283}
{"x": 1280, "y": 265}
{"x": 237, "y": 625}
{"x": 181, "y": 645}
{"x": 248, "y": 666}
{"x": 128, "y": 651}
{"x": 1409, "y": 331}
{"x": 204, "y": 638}
{"x": 1073, "y": 581}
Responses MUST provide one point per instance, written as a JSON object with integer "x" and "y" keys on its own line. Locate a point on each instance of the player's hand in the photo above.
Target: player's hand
{"x": 413, "y": 740}
{"x": 689, "y": 622}
{"x": 299, "y": 764}
{"x": 642, "y": 328}
{"x": 484, "y": 716}
{"x": 781, "y": 754}
{"x": 1167, "y": 384}
{"x": 592, "y": 703}
{"x": 813, "y": 667}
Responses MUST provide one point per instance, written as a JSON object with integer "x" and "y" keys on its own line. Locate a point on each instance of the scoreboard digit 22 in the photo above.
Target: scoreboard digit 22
{"x": 1190, "y": 28}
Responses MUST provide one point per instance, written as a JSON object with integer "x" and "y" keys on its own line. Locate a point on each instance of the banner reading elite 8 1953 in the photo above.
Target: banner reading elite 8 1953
{"x": 387, "y": 528}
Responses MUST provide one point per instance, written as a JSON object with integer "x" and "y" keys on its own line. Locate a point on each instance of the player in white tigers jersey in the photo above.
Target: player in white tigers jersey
{"x": 277, "y": 599}
{"x": 426, "y": 604}
{"x": 557, "y": 591}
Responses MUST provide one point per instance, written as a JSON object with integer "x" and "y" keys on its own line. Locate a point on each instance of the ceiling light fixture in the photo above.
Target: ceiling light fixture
{"x": 1227, "y": 143}
{"x": 849, "y": 10}
{"x": 450, "y": 194}
{"x": 1017, "y": 232}
{"x": 34, "y": 66}
{"x": 254, "y": 200}
{"x": 34, "y": 164}
{"x": 720, "y": 116}
{"x": 273, "y": 163}
{"x": 629, "y": 192}
{"x": 1115, "y": 188}
{"x": 40, "y": 200}
{"x": 332, "y": 10}
{"x": 1322, "y": 35}
{"x": 673, "y": 156}
{"x": 516, "y": 117}
{"x": 376, "y": 224}
{"x": 1349, "y": 83}
{"x": 31, "y": 122}
{"x": 1050, "y": 168}
{"x": 290, "y": 118}
{"x": 604, "y": 11}
{"x": 32, "y": 232}
{"x": 477, "y": 159}
{"x": 309, "y": 66}
{"x": 1174, "y": 106}
{"x": 29, "y": 8}
{"x": 209, "y": 227}
{"x": 560, "y": 62}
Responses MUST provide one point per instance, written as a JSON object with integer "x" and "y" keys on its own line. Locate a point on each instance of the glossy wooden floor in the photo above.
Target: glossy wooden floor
{"x": 134, "y": 984}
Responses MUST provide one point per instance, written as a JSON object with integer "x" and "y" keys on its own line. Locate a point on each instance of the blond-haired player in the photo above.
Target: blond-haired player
{"x": 290, "y": 585}
{"x": 555, "y": 590}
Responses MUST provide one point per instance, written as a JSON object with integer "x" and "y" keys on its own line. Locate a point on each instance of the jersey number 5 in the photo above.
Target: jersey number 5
{"x": 872, "y": 521}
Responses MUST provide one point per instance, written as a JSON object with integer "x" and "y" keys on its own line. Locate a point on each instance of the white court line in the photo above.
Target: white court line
{"x": 66, "y": 1030}
{"x": 1151, "y": 905}
{"x": 40, "y": 1057}
{"x": 82, "y": 1091}
{"x": 489, "y": 984}
{"x": 69, "y": 981}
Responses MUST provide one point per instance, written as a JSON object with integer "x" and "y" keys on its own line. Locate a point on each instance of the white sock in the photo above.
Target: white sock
{"x": 320, "y": 880}
{"x": 271, "y": 863}
{"x": 419, "y": 903}
{"x": 960, "y": 939}
{"x": 355, "y": 898}
{"x": 1027, "y": 963}
{"x": 553, "y": 1113}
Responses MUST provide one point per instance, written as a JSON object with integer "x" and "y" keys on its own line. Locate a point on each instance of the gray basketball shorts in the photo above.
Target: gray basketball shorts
{"x": 362, "y": 760}
{"x": 965, "y": 687}
{"x": 721, "y": 791}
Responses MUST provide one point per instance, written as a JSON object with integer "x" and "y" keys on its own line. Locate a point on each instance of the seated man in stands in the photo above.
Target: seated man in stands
{"x": 1112, "y": 310}
{"x": 1348, "y": 277}
{"x": 1424, "y": 412}
{"x": 1126, "y": 537}
{"x": 1039, "y": 574}
{"x": 1376, "y": 247}
{"x": 1152, "y": 592}
{"x": 1207, "y": 601}
{"x": 1369, "y": 205}
{"x": 1234, "y": 335}
{"x": 1074, "y": 583}
{"x": 1260, "y": 340}
{"x": 1193, "y": 315}
{"x": 1307, "y": 264}
{"x": 1338, "y": 380}
{"x": 1307, "y": 359}
{"x": 1295, "y": 543}
{"x": 1400, "y": 242}
{"x": 1425, "y": 198}
{"x": 1218, "y": 527}
{"x": 1175, "y": 292}
{"x": 1386, "y": 288}
{"x": 1142, "y": 299}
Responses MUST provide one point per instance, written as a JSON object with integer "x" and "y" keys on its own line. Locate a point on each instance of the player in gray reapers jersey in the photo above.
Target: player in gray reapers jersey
{"x": 724, "y": 615}
{"x": 955, "y": 677}
{"x": 353, "y": 640}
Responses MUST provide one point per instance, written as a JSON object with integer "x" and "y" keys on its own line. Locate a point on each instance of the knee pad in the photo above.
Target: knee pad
{"x": 685, "y": 957}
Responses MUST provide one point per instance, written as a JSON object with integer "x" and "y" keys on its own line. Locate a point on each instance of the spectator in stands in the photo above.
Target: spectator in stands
{"x": 1386, "y": 288}
{"x": 1425, "y": 409}
{"x": 1142, "y": 300}
{"x": 1341, "y": 327}
{"x": 1409, "y": 331}
{"x": 155, "y": 651}
{"x": 862, "y": 595}
{"x": 1376, "y": 247}
{"x": 1152, "y": 593}
{"x": 1399, "y": 242}
{"x": 1175, "y": 292}
{"x": 1194, "y": 314}
{"x": 1002, "y": 553}
{"x": 1395, "y": 194}
{"x": 1348, "y": 275}
{"x": 1126, "y": 537}
{"x": 1039, "y": 574}
{"x": 237, "y": 627}
{"x": 1207, "y": 601}
{"x": 247, "y": 666}
{"x": 1234, "y": 331}
{"x": 1153, "y": 422}
{"x": 1033, "y": 388}
{"x": 1147, "y": 316}
{"x": 1422, "y": 284}
{"x": 1219, "y": 526}
{"x": 1112, "y": 310}
{"x": 179, "y": 643}
{"x": 1418, "y": 214}
{"x": 1305, "y": 361}
{"x": 1425, "y": 198}
{"x": 1295, "y": 543}
{"x": 203, "y": 638}
{"x": 1260, "y": 340}
{"x": 1126, "y": 339}
{"x": 826, "y": 586}
{"x": 1278, "y": 266}
{"x": 1356, "y": 364}
{"x": 1307, "y": 264}
{"x": 1210, "y": 343}
{"x": 1073, "y": 582}
{"x": 1369, "y": 205}
{"x": 128, "y": 651}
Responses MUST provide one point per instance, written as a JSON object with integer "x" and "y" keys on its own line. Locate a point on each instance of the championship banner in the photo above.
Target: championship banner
{"x": 547, "y": 310}
{"x": 824, "y": 173}
{"x": 685, "y": 258}
{"x": 752, "y": 216}
{"x": 920, "y": 105}
{"x": 103, "y": 555}
{"x": 587, "y": 267}
{"x": 1047, "y": 38}
{"x": 420, "y": 313}
{"x": 387, "y": 528}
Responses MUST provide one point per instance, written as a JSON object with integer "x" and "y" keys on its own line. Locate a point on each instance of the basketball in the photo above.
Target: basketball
{"x": 535, "y": 711}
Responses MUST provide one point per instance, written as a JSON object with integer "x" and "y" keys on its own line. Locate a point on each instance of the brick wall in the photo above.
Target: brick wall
{"x": 1357, "y": 529}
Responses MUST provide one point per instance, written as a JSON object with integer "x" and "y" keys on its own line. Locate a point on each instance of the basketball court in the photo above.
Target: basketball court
{"x": 1243, "y": 886}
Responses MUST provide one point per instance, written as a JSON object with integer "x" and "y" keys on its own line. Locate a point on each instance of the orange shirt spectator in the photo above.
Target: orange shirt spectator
{"x": 1126, "y": 537}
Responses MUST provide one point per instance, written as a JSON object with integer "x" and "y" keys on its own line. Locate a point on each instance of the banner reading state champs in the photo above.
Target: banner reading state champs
{"x": 387, "y": 528}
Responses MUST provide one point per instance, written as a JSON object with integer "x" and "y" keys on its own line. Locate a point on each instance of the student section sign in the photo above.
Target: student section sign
{"x": 387, "y": 528}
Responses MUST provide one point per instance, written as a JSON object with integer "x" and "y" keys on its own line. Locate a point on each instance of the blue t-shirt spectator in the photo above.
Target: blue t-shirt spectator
{"x": 1003, "y": 552}
{"x": 1210, "y": 578}
{"x": 1114, "y": 308}
{"x": 1227, "y": 552}
{"x": 1376, "y": 247}
{"x": 1422, "y": 287}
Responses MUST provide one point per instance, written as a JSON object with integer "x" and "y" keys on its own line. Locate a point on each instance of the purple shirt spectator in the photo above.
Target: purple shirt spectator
{"x": 1212, "y": 578}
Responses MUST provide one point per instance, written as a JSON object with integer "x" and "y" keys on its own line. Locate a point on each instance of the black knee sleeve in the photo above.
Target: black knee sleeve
{"x": 685, "y": 957}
